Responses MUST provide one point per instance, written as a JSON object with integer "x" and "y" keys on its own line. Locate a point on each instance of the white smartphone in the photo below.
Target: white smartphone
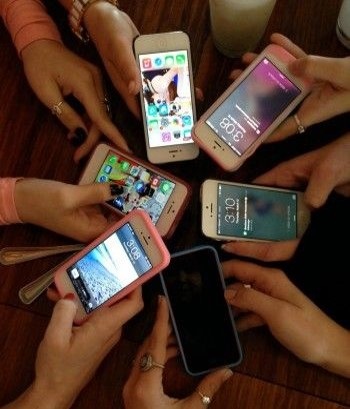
{"x": 167, "y": 96}
{"x": 236, "y": 211}
{"x": 141, "y": 186}
{"x": 250, "y": 109}
{"x": 127, "y": 254}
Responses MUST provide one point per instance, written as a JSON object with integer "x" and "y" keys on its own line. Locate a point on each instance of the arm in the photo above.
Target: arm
{"x": 113, "y": 32}
{"x": 67, "y": 209}
{"x": 67, "y": 358}
{"x": 268, "y": 297}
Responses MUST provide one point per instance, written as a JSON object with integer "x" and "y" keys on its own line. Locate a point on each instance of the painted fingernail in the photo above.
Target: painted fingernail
{"x": 69, "y": 296}
{"x": 116, "y": 189}
{"x": 79, "y": 137}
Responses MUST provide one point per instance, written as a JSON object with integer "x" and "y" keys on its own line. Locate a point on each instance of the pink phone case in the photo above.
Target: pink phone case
{"x": 273, "y": 50}
{"x": 162, "y": 173}
{"x": 152, "y": 231}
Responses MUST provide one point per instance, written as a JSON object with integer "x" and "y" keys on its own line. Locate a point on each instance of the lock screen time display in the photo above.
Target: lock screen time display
{"x": 139, "y": 187}
{"x": 253, "y": 106}
{"x": 254, "y": 213}
{"x": 167, "y": 98}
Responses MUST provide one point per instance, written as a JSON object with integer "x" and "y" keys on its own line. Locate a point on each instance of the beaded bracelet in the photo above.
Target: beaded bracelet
{"x": 76, "y": 14}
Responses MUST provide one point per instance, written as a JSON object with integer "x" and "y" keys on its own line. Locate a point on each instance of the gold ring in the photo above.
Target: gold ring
{"x": 205, "y": 399}
{"x": 56, "y": 109}
{"x": 300, "y": 127}
{"x": 147, "y": 362}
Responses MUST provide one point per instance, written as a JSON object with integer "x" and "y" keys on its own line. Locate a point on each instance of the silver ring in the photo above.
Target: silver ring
{"x": 147, "y": 362}
{"x": 56, "y": 109}
{"x": 205, "y": 399}
{"x": 300, "y": 127}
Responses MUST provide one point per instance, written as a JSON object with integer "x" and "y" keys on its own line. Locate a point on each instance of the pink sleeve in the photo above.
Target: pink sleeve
{"x": 8, "y": 211}
{"x": 27, "y": 21}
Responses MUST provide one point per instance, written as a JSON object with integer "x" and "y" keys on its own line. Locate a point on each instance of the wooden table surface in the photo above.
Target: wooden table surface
{"x": 33, "y": 143}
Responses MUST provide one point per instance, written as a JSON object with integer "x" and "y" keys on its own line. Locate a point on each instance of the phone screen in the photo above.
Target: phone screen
{"x": 167, "y": 98}
{"x": 139, "y": 187}
{"x": 252, "y": 212}
{"x": 253, "y": 106}
{"x": 109, "y": 267}
{"x": 202, "y": 319}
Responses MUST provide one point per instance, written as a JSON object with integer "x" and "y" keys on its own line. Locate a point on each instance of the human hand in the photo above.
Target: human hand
{"x": 68, "y": 356}
{"x": 63, "y": 208}
{"x": 54, "y": 72}
{"x": 330, "y": 94}
{"x": 144, "y": 390}
{"x": 113, "y": 33}
{"x": 266, "y": 296}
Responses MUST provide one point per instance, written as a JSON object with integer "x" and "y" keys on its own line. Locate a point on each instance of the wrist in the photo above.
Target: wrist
{"x": 78, "y": 14}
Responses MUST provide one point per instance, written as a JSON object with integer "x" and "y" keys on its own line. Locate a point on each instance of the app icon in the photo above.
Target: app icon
{"x": 129, "y": 181}
{"x": 124, "y": 166}
{"x": 152, "y": 110}
{"x": 166, "y": 136}
{"x": 112, "y": 159}
{"x": 108, "y": 169}
{"x": 177, "y": 134}
{"x": 134, "y": 171}
{"x": 145, "y": 176}
{"x": 180, "y": 59}
{"x": 169, "y": 60}
{"x": 187, "y": 135}
{"x": 158, "y": 61}
{"x": 163, "y": 109}
{"x": 165, "y": 187}
{"x": 146, "y": 63}
{"x": 152, "y": 125}
{"x": 139, "y": 187}
{"x": 103, "y": 179}
{"x": 186, "y": 120}
{"x": 164, "y": 122}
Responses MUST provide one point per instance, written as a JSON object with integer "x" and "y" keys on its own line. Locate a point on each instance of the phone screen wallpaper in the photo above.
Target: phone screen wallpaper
{"x": 167, "y": 98}
{"x": 256, "y": 213}
{"x": 139, "y": 187}
{"x": 108, "y": 268}
{"x": 253, "y": 106}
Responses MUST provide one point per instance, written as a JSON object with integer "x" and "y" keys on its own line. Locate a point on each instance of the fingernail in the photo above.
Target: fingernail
{"x": 230, "y": 294}
{"x": 79, "y": 137}
{"x": 160, "y": 299}
{"x": 224, "y": 247}
{"x": 116, "y": 189}
{"x": 69, "y": 296}
{"x": 228, "y": 373}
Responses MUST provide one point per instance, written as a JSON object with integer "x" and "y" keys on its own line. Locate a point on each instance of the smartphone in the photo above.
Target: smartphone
{"x": 203, "y": 322}
{"x": 250, "y": 109}
{"x": 236, "y": 211}
{"x": 126, "y": 255}
{"x": 162, "y": 195}
{"x": 167, "y": 96}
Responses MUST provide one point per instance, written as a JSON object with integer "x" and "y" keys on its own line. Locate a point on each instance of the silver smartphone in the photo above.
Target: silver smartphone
{"x": 236, "y": 211}
{"x": 167, "y": 96}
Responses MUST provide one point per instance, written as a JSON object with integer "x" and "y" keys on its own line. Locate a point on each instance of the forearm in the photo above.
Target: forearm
{"x": 337, "y": 356}
{"x": 35, "y": 400}
{"x": 27, "y": 21}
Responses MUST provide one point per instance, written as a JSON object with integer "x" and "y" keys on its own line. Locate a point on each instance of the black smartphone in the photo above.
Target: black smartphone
{"x": 203, "y": 322}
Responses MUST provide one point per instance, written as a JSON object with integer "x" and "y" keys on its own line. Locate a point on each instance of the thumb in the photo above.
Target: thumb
{"x": 207, "y": 388}
{"x": 95, "y": 193}
{"x": 59, "y": 329}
